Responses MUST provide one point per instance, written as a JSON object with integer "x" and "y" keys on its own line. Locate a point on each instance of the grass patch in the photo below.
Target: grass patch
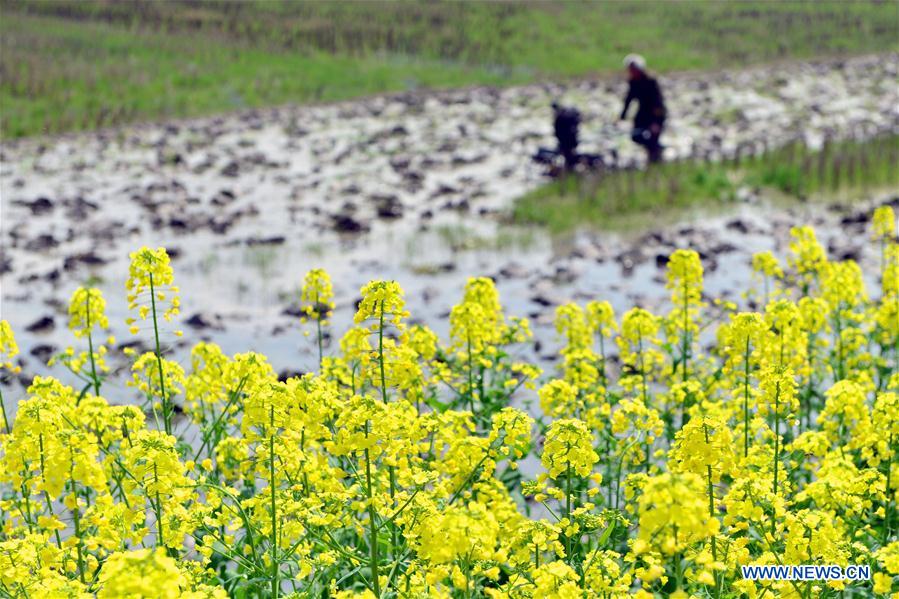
{"x": 79, "y": 65}
{"x": 618, "y": 197}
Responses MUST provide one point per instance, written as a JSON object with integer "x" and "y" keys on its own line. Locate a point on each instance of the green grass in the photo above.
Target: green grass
{"x": 79, "y": 65}
{"x": 618, "y": 197}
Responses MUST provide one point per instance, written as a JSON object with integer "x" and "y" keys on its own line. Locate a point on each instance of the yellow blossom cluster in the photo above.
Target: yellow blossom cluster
{"x": 151, "y": 286}
{"x": 666, "y": 451}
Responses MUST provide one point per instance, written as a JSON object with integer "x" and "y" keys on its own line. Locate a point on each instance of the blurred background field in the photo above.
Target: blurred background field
{"x": 841, "y": 170}
{"x": 81, "y": 65}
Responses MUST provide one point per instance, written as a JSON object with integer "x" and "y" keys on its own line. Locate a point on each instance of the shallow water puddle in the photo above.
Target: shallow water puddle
{"x": 411, "y": 188}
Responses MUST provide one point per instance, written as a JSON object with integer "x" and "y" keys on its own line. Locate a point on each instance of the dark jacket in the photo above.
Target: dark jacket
{"x": 652, "y": 105}
{"x": 565, "y": 126}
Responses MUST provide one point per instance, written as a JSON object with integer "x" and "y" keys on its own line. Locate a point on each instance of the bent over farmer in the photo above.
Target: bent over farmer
{"x": 650, "y": 117}
{"x": 565, "y": 126}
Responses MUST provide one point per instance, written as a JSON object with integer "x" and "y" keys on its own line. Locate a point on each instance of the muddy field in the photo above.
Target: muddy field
{"x": 414, "y": 188}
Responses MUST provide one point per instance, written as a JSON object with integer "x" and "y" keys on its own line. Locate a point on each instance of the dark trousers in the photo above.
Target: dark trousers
{"x": 568, "y": 149}
{"x": 649, "y": 140}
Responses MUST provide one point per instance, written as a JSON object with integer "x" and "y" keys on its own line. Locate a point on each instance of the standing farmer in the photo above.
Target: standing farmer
{"x": 650, "y": 118}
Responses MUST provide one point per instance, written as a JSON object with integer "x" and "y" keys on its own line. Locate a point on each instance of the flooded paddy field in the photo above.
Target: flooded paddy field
{"x": 415, "y": 188}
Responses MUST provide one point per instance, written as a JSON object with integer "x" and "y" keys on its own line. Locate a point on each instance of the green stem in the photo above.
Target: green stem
{"x": 602, "y": 355}
{"x": 746, "y": 400}
{"x": 166, "y": 411}
{"x": 838, "y": 342}
{"x": 568, "y": 509}
{"x": 678, "y": 559}
{"x": 40, "y": 439}
{"x": 642, "y": 370}
{"x": 712, "y": 509}
{"x": 321, "y": 353}
{"x": 618, "y": 468}
{"x": 6, "y": 428}
{"x": 889, "y": 499}
{"x": 373, "y": 529}
{"x": 648, "y": 454}
{"x": 776, "y": 445}
{"x": 158, "y": 509}
{"x": 26, "y": 495}
{"x": 76, "y": 515}
{"x": 274, "y": 548}
{"x": 381, "y": 354}
{"x": 90, "y": 346}
{"x": 470, "y": 379}
{"x": 394, "y": 541}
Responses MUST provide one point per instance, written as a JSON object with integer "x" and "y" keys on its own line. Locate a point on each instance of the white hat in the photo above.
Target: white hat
{"x": 636, "y": 61}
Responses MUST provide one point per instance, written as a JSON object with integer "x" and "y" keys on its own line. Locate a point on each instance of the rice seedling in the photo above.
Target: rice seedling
{"x": 836, "y": 169}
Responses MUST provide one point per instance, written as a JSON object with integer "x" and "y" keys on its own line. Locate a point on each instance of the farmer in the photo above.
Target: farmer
{"x": 565, "y": 126}
{"x": 650, "y": 118}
